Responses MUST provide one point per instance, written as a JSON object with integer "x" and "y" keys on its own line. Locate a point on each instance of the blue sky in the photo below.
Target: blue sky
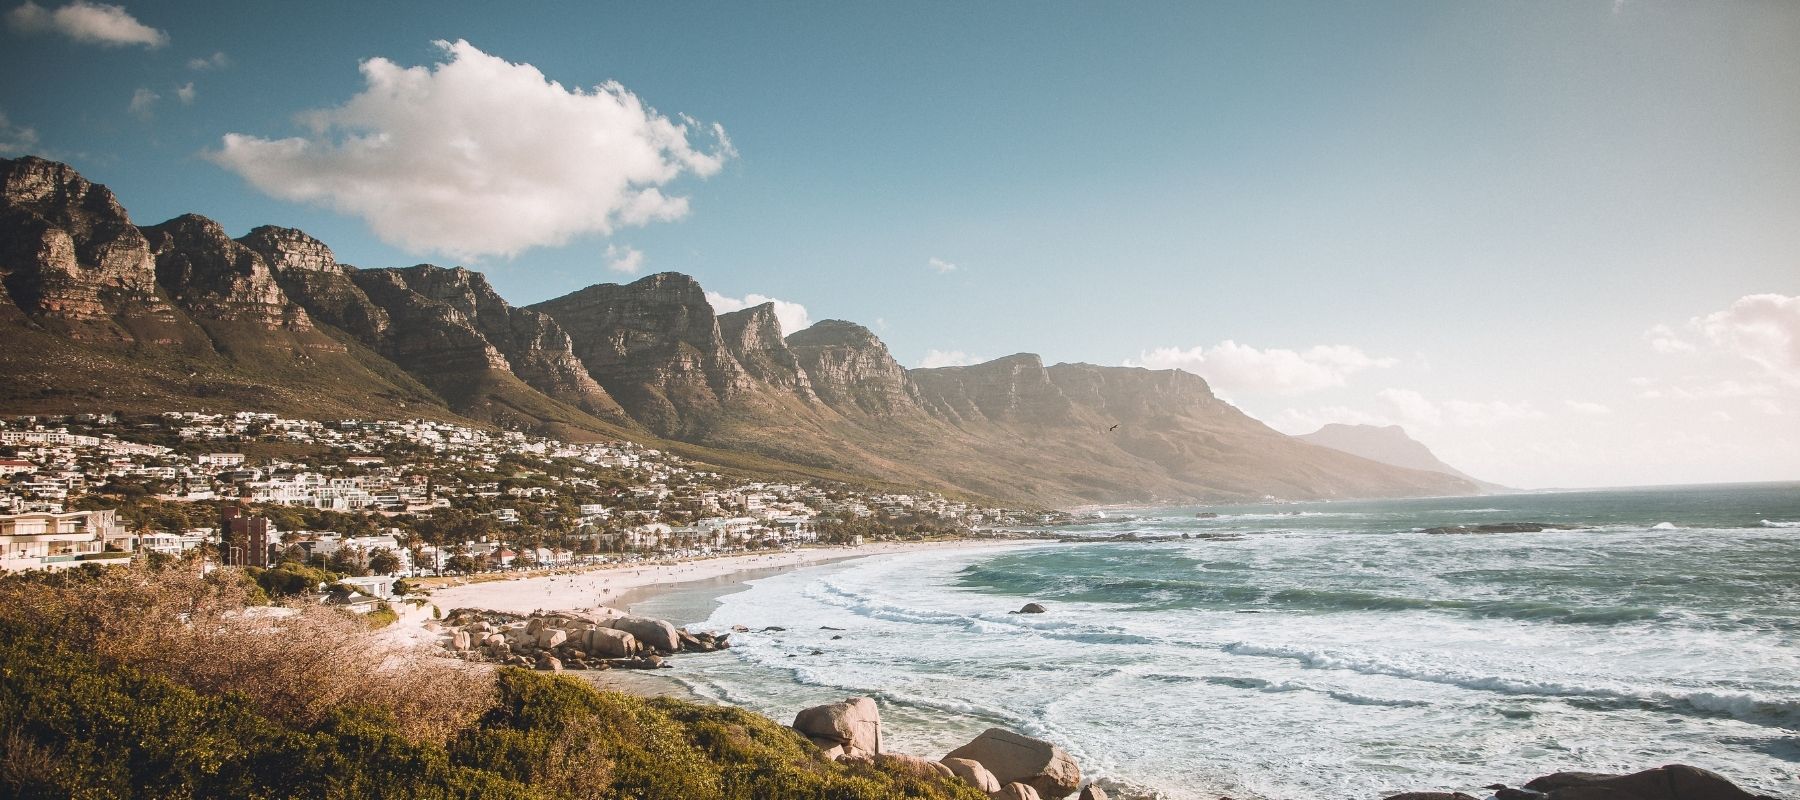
{"x": 1532, "y": 233}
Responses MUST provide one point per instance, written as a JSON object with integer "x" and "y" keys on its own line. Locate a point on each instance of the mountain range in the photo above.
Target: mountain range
{"x": 103, "y": 314}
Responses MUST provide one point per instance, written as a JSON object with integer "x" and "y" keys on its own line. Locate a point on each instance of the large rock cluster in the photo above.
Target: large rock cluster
{"x": 999, "y": 762}
{"x": 1672, "y": 782}
{"x": 567, "y": 641}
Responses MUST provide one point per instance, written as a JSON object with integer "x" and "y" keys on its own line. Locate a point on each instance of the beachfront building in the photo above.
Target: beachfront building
{"x": 58, "y": 541}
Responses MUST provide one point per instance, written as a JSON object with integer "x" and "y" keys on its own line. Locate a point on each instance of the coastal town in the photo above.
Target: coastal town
{"x": 400, "y": 499}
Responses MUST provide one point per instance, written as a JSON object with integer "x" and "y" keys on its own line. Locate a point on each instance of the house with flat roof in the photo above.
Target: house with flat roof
{"x": 44, "y": 540}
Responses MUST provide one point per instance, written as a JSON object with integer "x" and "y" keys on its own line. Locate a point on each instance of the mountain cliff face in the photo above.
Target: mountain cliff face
{"x": 753, "y": 337}
{"x": 852, "y": 371}
{"x": 309, "y": 274}
{"x": 1016, "y": 388}
{"x": 216, "y": 279}
{"x": 656, "y": 347}
{"x": 532, "y": 344}
{"x": 72, "y": 262}
{"x": 100, "y": 314}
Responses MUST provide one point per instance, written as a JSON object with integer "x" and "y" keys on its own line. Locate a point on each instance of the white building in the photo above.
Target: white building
{"x": 59, "y": 541}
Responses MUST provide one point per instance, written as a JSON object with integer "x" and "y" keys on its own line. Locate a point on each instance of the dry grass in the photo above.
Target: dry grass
{"x": 294, "y": 663}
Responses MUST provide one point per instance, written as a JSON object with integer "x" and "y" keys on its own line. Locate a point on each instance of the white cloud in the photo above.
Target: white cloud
{"x": 478, "y": 156}
{"x": 1664, "y": 339}
{"x": 91, "y": 23}
{"x": 1415, "y": 409}
{"x": 215, "y": 61}
{"x": 16, "y": 138}
{"x": 628, "y": 260}
{"x": 1233, "y": 367}
{"x": 143, "y": 102}
{"x": 185, "y": 93}
{"x": 948, "y": 358}
{"x": 1588, "y": 408}
{"x": 793, "y": 316}
{"x": 939, "y": 265}
{"x": 1764, "y": 328}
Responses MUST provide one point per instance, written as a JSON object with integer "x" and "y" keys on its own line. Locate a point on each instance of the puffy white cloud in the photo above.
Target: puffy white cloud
{"x": 1764, "y": 328}
{"x": 1234, "y": 367}
{"x": 143, "y": 102}
{"x": 939, "y": 265}
{"x": 948, "y": 358}
{"x": 215, "y": 61}
{"x": 793, "y": 316}
{"x": 16, "y": 138}
{"x": 185, "y": 93}
{"x": 1414, "y": 408}
{"x": 627, "y": 260}
{"x": 1664, "y": 339}
{"x": 477, "y": 156}
{"x": 91, "y": 23}
{"x": 1588, "y": 408}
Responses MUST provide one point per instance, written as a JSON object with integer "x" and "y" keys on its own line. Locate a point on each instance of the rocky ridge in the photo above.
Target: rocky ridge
{"x": 180, "y": 315}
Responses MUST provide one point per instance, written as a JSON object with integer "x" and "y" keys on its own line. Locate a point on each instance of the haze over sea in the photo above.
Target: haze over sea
{"x": 1322, "y": 649}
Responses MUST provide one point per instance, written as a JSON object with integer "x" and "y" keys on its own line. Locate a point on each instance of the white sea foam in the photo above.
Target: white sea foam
{"x": 1769, "y": 523}
{"x": 1192, "y": 699}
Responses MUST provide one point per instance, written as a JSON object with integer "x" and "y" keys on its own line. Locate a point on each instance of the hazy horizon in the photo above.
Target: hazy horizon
{"x": 1553, "y": 241}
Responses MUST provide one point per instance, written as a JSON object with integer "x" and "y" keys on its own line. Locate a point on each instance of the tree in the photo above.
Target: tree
{"x": 383, "y": 561}
{"x": 463, "y": 564}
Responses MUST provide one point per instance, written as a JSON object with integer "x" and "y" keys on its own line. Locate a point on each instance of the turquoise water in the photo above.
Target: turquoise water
{"x": 1324, "y": 649}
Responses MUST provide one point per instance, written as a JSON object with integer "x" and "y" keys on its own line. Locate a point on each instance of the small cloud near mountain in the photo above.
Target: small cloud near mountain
{"x": 948, "y": 358}
{"x": 793, "y": 316}
{"x": 1232, "y": 367}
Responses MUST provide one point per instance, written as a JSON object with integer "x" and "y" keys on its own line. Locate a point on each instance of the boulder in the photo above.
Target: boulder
{"x": 549, "y": 663}
{"x": 912, "y": 765}
{"x": 1672, "y": 782}
{"x": 1016, "y": 758}
{"x": 854, "y": 723}
{"x": 494, "y": 640}
{"x": 611, "y": 643}
{"x": 1429, "y": 796}
{"x": 1017, "y": 791}
{"x": 831, "y": 749}
{"x": 1092, "y": 792}
{"x": 1031, "y": 608}
{"x": 1558, "y": 780}
{"x": 533, "y": 626}
{"x": 973, "y": 774}
{"x": 551, "y": 637}
{"x": 653, "y": 633}
{"x": 459, "y": 641}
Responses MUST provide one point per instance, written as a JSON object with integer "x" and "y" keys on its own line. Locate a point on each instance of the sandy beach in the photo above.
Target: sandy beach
{"x": 622, "y": 585}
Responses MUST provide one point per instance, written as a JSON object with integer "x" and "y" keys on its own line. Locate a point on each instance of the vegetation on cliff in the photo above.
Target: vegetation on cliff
{"x": 138, "y": 683}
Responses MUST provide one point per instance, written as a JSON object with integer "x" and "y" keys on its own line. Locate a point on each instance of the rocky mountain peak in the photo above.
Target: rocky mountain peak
{"x": 290, "y": 249}
{"x": 1014, "y": 387}
{"x": 753, "y": 335}
{"x": 71, "y": 259}
{"x": 851, "y": 369}
{"x": 216, "y": 278}
{"x": 655, "y": 345}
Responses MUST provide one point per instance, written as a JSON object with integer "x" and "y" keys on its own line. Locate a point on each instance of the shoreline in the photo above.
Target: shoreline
{"x": 626, "y": 587}
{"x": 619, "y": 586}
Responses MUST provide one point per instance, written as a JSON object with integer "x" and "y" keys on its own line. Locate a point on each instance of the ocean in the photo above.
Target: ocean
{"x": 1319, "y": 649}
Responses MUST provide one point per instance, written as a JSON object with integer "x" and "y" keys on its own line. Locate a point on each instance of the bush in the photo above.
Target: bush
{"x": 129, "y": 683}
